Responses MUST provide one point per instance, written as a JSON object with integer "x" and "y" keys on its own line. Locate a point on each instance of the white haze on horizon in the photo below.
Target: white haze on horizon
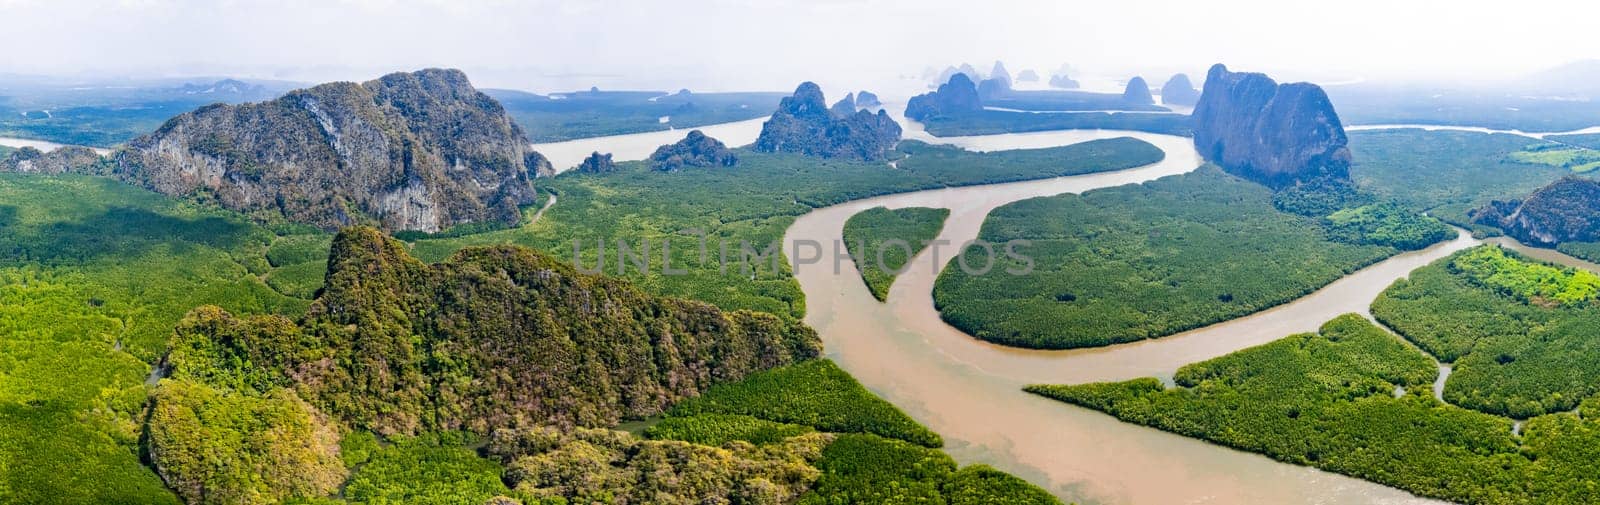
{"x": 734, "y": 45}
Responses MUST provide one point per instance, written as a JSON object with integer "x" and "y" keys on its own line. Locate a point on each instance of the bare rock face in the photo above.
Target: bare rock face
{"x": 804, "y": 124}
{"x": 958, "y": 96}
{"x": 1179, "y": 91}
{"x": 1275, "y": 134}
{"x": 409, "y": 151}
{"x": 1567, "y": 210}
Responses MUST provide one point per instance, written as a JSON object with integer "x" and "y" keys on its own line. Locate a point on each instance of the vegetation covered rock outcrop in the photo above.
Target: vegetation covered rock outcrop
{"x": 804, "y": 124}
{"x": 409, "y": 151}
{"x": 596, "y": 163}
{"x": 957, "y": 96}
{"x": 605, "y": 466}
{"x": 1567, "y": 210}
{"x": 695, "y": 150}
{"x": 72, "y": 159}
{"x": 226, "y": 447}
{"x": 494, "y": 337}
{"x": 1275, "y": 134}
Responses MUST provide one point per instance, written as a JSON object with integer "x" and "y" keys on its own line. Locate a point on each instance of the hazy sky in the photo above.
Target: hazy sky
{"x": 726, "y": 44}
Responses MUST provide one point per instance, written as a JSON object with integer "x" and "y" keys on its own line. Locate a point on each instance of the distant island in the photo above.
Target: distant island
{"x": 804, "y": 124}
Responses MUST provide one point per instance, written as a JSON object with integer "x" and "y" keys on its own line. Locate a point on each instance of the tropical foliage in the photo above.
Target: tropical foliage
{"x": 719, "y": 429}
{"x": 1445, "y": 173}
{"x": 1576, "y": 159}
{"x": 1143, "y": 261}
{"x": 1516, "y": 352}
{"x": 605, "y": 466}
{"x": 881, "y": 241}
{"x": 433, "y": 469}
{"x": 220, "y": 447}
{"x": 753, "y": 204}
{"x": 1330, "y": 400}
{"x": 93, "y": 277}
{"x": 1531, "y": 282}
{"x": 1387, "y": 224}
{"x": 815, "y": 393}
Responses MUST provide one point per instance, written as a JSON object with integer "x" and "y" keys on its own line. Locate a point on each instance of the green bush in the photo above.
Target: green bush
{"x": 1536, "y": 283}
{"x": 433, "y": 469}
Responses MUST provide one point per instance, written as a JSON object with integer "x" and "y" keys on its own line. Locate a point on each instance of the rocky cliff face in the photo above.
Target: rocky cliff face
{"x": 1138, "y": 92}
{"x": 695, "y": 150}
{"x": 409, "y": 151}
{"x": 803, "y": 124}
{"x": 1567, "y": 210}
{"x": 1179, "y": 91}
{"x": 493, "y": 337}
{"x": 1275, "y": 134}
{"x": 958, "y": 96}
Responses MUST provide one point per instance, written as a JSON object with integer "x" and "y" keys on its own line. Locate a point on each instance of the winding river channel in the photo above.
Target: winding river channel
{"x": 970, "y": 391}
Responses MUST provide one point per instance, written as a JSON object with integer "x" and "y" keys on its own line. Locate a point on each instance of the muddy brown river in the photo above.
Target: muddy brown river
{"x": 969, "y": 391}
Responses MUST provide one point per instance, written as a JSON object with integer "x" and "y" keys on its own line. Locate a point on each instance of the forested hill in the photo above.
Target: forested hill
{"x": 494, "y": 337}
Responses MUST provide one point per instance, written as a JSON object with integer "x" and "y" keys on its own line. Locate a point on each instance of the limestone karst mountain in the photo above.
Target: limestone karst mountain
{"x": 1567, "y": 210}
{"x": 804, "y": 124}
{"x": 957, "y": 96}
{"x": 409, "y": 151}
{"x": 1275, "y": 134}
